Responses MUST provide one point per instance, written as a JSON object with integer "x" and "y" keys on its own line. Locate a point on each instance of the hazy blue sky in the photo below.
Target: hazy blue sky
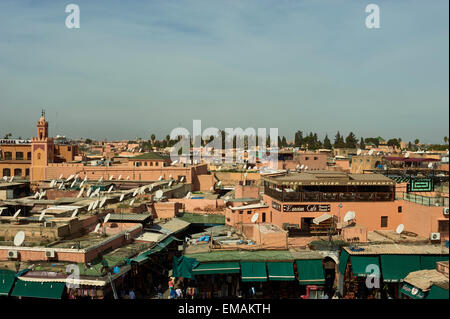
{"x": 141, "y": 67}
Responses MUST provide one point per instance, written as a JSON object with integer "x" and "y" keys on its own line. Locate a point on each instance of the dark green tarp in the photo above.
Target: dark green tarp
{"x": 160, "y": 246}
{"x": 437, "y": 293}
{"x": 7, "y": 278}
{"x": 429, "y": 261}
{"x": 253, "y": 271}
{"x": 217, "y": 268}
{"x": 182, "y": 267}
{"x": 281, "y": 271}
{"x": 310, "y": 272}
{"x": 343, "y": 258}
{"x": 47, "y": 290}
{"x": 360, "y": 263}
{"x": 395, "y": 268}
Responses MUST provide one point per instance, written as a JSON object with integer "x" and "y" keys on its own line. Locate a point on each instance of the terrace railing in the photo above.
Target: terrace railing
{"x": 423, "y": 200}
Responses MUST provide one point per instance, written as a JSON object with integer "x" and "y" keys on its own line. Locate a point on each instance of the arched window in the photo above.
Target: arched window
{"x": 6, "y": 172}
{"x": 17, "y": 172}
{"x": 39, "y": 156}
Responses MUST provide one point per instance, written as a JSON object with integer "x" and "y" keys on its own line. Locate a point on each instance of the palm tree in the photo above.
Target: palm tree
{"x": 416, "y": 141}
{"x": 445, "y": 139}
{"x": 153, "y": 137}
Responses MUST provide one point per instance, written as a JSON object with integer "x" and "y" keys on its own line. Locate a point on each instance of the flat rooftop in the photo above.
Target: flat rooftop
{"x": 328, "y": 178}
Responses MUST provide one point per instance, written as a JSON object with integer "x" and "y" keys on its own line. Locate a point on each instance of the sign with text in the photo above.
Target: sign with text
{"x": 307, "y": 208}
{"x": 420, "y": 185}
{"x": 277, "y": 206}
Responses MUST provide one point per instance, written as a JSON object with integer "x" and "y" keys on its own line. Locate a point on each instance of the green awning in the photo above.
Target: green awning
{"x": 412, "y": 291}
{"x": 281, "y": 271}
{"x": 253, "y": 271}
{"x": 429, "y": 261}
{"x": 437, "y": 292}
{"x": 360, "y": 263}
{"x": 217, "y": 268}
{"x": 183, "y": 266}
{"x": 310, "y": 272}
{"x": 48, "y": 290}
{"x": 160, "y": 246}
{"x": 6, "y": 281}
{"x": 343, "y": 259}
{"x": 396, "y": 267}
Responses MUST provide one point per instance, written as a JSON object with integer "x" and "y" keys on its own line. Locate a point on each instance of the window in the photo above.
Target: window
{"x": 151, "y": 163}
{"x": 19, "y": 156}
{"x": 27, "y": 172}
{"x": 17, "y": 172}
{"x": 156, "y": 163}
{"x": 228, "y": 219}
{"x": 241, "y": 211}
{"x": 384, "y": 221}
{"x": 399, "y": 209}
{"x": 69, "y": 148}
{"x": 316, "y": 158}
{"x": 263, "y": 217}
{"x": 29, "y": 156}
{"x": 6, "y": 172}
{"x": 39, "y": 156}
{"x": 145, "y": 163}
{"x": 249, "y": 212}
{"x": 306, "y": 158}
{"x": 8, "y": 156}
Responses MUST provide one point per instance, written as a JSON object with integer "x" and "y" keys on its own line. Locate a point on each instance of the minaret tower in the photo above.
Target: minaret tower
{"x": 42, "y": 151}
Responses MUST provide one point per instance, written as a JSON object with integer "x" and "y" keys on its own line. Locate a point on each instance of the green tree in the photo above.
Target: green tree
{"x": 362, "y": 145}
{"x": 416, "y": 141}
{"x": 393, "y": 142}
{"x": 445, "y": 140}
{"x": 284, "y": 142}
{"x": 7, "y": 136}
{"x": 327, "y": 143}
{"x": 152, "y": 138}
{"x": 351, "y": 141}
{"x": 298, "y": 139}
{"x": 339, "y": 141}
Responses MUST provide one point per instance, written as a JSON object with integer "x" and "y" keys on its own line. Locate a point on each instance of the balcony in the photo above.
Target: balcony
{"x": 329, "y": 196}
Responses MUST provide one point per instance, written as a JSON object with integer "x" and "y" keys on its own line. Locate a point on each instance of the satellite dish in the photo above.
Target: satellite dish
{"x": 159, "y": 193}
{"x": 358, "y": 152}
{"x": 85, "y": 179}
{"x": 140, "y": 150}
{"x": 400, "y": 229}
{"x": 407, "y": 155}
{"x": 90, "y": 206}
{"x": 17, "y": 213}
{"x": 119, "y": 178}
{"x": 219, "y": 183}
{"x": 19, "y": 239}
{"x": 41, "y": 216}
{"x": 80, "y": 193}
{"x": 97, "y": 227}
{"x": 170, "y": 176}
{"x": 60, "y": 176}
{"x": 36, "y": 195}
{"x": 255, "y": 218}
{"x": 132, "y": 202}
{"x": 110, "y": 188}
{"x": 69, "y": 178}
{"x": 170, "y": 183}
{"x": 107, "y": 218}
{"x": 349, "y": 216}
{"x": 103, "y": 202}
{"x": 111, "y": 177}
{"x": 2, "y": 209}
{"x": 60, "y": 186}
{"x": 73, "y": 183}
{"x": 76, "y": 176}
{"x": 370, "y": 152}
{"x": 100, "y": 179}
{"x": 160, "y": 178}
{"x": 121, "y": 197}
{"x": 95, "y": 204}
{"x": 75, "y": 212}
{"x": 82, "y": 183}
{"x": 11, "y": 179}
{"x": 306, "y": 168}
{"x": 135, "y": 192}
{"x": 430, "y": 165}
{"x": 182, "y": 179}
{"x": 88, "y": 192}
{"x": 211, "y": 189}
{"x": 301, "y": 167}
{"x": 188, "y": 195}
{"x": 128, "y": 177}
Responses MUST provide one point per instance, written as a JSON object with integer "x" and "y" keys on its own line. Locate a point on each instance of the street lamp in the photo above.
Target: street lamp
{"x": 339, "y": 212}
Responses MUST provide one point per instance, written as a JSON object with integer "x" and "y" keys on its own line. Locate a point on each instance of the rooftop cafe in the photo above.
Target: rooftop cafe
{"x": 328, "y": 186}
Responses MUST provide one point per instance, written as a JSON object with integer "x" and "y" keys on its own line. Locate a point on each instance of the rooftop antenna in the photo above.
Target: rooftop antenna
{"x": 17, "y": 213}
{"x": 19, "y": 239}
{"x": 97, "y": 227}
{"x": 399, "y": 230}
{"x": 103, "y": 202}
{"x": 75, "y": 212}
{"x": 41, "y": 216}
{"x": 350, "y": 215}
{"x": 159, "y": 194}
